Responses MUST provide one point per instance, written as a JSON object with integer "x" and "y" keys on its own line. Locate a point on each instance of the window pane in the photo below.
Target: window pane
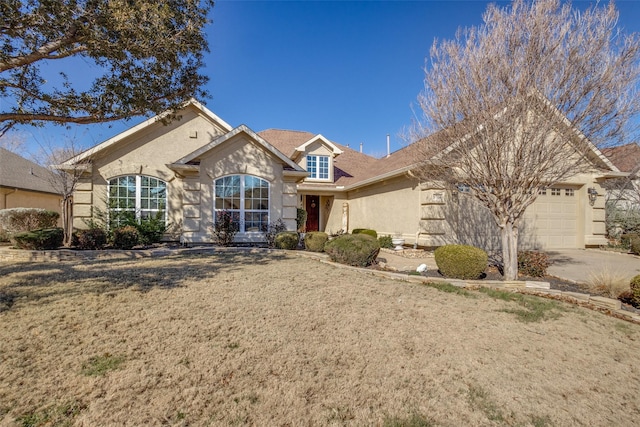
{"x": 240, "y": 195}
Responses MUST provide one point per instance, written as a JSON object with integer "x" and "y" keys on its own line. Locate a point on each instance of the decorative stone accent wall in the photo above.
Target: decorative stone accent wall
{"x": 435, "y": 227}
{"x": 82, "y": 202}
{"x": 289, "y": 204}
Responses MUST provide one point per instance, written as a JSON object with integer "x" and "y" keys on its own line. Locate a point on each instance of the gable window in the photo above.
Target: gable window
{"x": 141, "y": 196}
{"x": 246, "y": 198}
{"x": 318, "y": 167}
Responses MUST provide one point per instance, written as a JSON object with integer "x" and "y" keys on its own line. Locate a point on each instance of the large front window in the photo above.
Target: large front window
{"x": 318, "y": 167}
{"x": 137, "y": 195}
{"x": 246, "y": 198}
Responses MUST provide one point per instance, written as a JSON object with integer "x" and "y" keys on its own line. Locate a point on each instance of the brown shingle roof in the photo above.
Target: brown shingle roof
{"x": 286, "y": 140}
{"x": 18, "y": 172}
{"x": 625, "y": 157}
{"x": 351, "y": 167}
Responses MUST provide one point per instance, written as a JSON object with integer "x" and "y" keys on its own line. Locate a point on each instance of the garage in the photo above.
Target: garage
{"x": 552, "y": 221}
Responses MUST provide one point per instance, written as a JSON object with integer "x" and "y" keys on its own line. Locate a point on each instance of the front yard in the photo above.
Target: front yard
{"x": 272, "y": 339}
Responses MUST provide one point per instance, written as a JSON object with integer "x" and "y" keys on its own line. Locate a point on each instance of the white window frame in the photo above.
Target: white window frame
{"x": 138, "y": 197}
{"x": 317, "y": 171}
{"x": 243, "y": 209}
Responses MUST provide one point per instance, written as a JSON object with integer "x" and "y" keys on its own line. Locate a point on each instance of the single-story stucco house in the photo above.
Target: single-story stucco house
{"x": 25, "y": 184}
{"x": 194, "y": 167}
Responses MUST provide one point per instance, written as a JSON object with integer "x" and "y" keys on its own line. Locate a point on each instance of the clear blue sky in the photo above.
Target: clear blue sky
{"x": 349, "y": 70}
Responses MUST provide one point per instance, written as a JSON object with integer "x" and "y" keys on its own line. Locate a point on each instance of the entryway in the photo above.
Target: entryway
{"x": 312, "y": 206}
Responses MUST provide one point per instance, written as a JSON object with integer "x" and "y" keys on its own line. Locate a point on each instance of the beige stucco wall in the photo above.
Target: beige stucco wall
{"x": 239, "y": 155}
{"x": 146, "y": 153}
{"x": 17, "y": 198}
{"x": 189, "y": 194}
{"x": 389, "y": 207}
{"x": 435, "y": 216}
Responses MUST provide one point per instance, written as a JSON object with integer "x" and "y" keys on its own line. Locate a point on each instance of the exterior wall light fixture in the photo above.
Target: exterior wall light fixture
{"x": 593, "y": 195}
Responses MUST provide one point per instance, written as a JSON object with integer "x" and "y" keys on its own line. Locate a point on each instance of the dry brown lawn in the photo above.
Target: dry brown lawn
{"x": 274, "y": 339}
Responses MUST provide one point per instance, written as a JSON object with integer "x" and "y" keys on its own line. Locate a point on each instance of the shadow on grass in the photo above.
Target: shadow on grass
{"x": 49, "y": 281}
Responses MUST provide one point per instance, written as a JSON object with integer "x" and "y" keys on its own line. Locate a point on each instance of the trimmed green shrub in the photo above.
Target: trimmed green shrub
{"x": 43, "y": 239}
{"x": 125, "y": 237}
{"x": 626, "y": 239}
{"x": 385, "y": 242}
{"x": 461, "y": 261}
{"x": 371, "y": 233}
{"x": 359, "y": 250}
{"x": 533, "y": 263}
{"x": 634, "y": 245}
{"x": 151, "y": 229}
{"x": 314, "y": 241}
{"x": 92, "y": 238}
{"x": 272, "y": 231}
{"x": 16, "y": 220}
{"x": 287, "y": 240}
{"x": 635, "y": 290}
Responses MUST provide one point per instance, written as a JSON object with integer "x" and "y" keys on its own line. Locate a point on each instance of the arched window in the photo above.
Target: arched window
{"x": 142, "y": 196}
{"x": 246, "y": 198}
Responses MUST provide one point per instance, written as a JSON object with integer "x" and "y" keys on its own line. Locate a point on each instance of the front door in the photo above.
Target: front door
{"x": 312, "y": 206}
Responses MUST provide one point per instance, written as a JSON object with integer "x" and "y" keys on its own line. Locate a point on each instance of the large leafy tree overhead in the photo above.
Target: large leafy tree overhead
{"x": 512, "y": 105}
{"x": 143, "y": 57}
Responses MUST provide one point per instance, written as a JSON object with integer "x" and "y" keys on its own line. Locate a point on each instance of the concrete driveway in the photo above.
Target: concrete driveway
{"x": 575, "y": 265}
{"x": 578, "y": 264}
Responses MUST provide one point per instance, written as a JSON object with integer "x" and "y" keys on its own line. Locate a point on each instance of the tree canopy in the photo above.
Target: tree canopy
{"x": 146, "y": 55}
{"x": 513, "y": 104}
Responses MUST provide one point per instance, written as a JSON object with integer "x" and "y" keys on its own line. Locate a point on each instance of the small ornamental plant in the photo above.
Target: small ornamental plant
{"x": 225, "y": 228}
{"x": 125, "y": 237}
{"x": 533, "y": 263}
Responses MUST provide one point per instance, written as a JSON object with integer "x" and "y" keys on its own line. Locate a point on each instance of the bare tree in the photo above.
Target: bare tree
{"x": 510, "y": 105}
{"x": 14, "y": 143}
{"x": 63, "y": 180}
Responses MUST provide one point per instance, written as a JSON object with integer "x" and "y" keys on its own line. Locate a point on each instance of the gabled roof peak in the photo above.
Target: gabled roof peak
{"x": 334, "y": 148}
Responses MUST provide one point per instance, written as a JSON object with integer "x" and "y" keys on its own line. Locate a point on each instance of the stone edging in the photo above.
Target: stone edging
{"x": 606, "y": 305}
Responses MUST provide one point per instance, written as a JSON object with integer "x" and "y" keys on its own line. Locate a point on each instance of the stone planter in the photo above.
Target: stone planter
{"x": 397, "y": 242}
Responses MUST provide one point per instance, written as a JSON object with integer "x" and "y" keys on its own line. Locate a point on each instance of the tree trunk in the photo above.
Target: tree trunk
{"x": 67, "y": 220}
{"x": 509, "y": 235}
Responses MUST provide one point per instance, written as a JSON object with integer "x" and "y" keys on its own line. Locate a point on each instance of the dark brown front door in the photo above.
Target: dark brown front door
{"x": 312, "y": 205}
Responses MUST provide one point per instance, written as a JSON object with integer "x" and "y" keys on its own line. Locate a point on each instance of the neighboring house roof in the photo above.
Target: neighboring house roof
{"x": 625, "y": 157}
{"x": 18, "y": 172}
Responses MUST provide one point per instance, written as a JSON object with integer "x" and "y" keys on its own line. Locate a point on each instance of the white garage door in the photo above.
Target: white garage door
{"x": 552, "y": 220}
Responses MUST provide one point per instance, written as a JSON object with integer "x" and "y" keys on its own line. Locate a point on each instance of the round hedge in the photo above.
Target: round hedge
{"x": 359, "y": 250}
{"x": 314, "y": 241}
{"x": 372, "y": 233}
{"x": 461, "y": 261}
{"x": 287, "y": 240}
